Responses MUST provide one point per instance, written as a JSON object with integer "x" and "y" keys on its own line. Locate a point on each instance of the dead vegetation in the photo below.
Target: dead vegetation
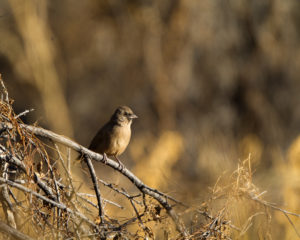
{"x": 40, "y": 198}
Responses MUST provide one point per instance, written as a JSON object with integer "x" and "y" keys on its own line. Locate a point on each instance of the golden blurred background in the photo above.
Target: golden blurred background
{"x": 211, "y": 81}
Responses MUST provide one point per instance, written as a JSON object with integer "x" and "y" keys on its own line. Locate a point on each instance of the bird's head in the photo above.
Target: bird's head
{"x": 123, "y": 115}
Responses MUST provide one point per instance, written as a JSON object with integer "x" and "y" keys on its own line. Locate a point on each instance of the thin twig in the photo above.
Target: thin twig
{"x": 67, "y": 170}
{"x": 285, "y": 212}
{"x": 110, "y": 185}
{"x": 146, "y": 230}
{"x": 94, "y": 205}
{"x": 69, "y": 160}
{"x": 96, "y": 187}
{"x": 23, "y": 113}
{"x": 46, "y": 189}
{"x": 291, "y": 222}
{"x": 4, "y": 90}
{"x": 6, "y": 202}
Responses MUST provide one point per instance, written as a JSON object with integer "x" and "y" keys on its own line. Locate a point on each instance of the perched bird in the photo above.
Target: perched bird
{"x": 113, "y": 138}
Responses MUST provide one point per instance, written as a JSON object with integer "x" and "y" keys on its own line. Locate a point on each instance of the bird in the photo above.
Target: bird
{"x": 113, "y": 138}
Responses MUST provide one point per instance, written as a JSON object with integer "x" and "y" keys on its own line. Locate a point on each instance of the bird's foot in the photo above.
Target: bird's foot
{"x": 104, "y": 158}
{"x": 121, "y": 165}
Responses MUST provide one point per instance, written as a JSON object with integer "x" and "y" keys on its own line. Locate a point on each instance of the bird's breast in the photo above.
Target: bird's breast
{"x": 122, "y": 139}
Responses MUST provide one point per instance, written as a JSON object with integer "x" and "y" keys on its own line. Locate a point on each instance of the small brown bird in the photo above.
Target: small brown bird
{"x": 113, "y": 138}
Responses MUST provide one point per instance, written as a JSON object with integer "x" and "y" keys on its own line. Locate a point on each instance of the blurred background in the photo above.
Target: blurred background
{"x": 212, "y": 81}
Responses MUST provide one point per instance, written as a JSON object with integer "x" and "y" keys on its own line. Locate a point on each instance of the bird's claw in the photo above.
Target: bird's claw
{"x": 121, "y": 165}
{"x": 104, "y": 158}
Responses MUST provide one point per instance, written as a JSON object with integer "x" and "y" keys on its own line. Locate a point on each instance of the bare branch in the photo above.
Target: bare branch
{"x": 6, "y": 99}
{"x": 110, "y": 185}
{"x": 285, "y": 212}
{"x": 94, "y": 205}
{"x": 160, "y": 197}
{"x": 23, "y": 113}
{"x": 13, "y": 232}
{"x": 8, "y": 157}
{"x": 59, "y": 205}
{"x": 96, "y": 187}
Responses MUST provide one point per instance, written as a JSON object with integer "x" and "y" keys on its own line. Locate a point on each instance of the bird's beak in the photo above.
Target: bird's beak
{"x": 132, "y": 116}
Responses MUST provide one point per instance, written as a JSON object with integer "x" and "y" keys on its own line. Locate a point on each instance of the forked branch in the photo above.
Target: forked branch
{"x": 162, "y": 198}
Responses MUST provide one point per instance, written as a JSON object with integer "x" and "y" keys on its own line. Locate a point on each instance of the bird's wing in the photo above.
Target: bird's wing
{"x": 101, "y": 140}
